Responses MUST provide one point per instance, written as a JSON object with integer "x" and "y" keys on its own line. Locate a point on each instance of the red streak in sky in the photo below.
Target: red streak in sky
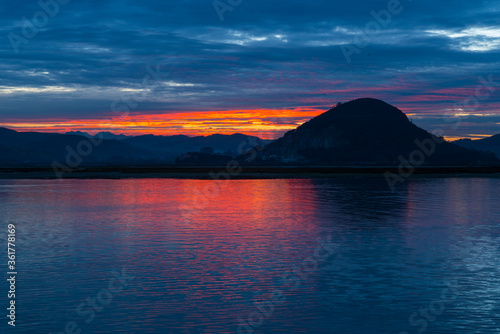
{"x": 266, "y": 124}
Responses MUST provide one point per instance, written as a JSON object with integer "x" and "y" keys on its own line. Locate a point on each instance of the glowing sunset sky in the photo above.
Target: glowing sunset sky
{"x": 151, "y": 66}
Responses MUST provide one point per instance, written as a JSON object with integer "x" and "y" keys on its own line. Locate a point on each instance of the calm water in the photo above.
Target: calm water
{"x": 262, "y": 256}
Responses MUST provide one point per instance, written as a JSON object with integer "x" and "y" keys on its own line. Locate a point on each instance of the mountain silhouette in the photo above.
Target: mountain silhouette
{"x": 36, "y": 148}
{"x": 174, "y": 146}
{"x": 489, "y": 144}
{"x": 102, "y": 135}
{"x": 364, "y": 131}
{"x": 360, "y": 132}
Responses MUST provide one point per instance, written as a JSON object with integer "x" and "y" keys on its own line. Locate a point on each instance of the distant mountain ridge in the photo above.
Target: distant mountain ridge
{"x": 103, "y": 135}
{"x": 489, "y": 144}
{"x": 360, "y": 132}
{"x": 36, "y": 148}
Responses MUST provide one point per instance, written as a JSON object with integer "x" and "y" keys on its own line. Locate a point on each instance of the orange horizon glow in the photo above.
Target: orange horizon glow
{"x": 263, "y": 123}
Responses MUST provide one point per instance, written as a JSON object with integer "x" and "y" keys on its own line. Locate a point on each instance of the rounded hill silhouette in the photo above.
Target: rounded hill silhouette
{"x": 364, "y": 131}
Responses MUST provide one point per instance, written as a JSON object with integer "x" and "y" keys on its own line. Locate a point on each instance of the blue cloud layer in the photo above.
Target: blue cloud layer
{"x": 425, "y": 57}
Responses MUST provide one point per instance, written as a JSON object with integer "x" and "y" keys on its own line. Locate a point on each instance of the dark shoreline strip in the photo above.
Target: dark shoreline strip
{"x": 248, "y": 172}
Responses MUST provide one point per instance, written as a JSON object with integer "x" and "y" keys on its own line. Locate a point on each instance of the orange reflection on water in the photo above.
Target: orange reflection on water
{"x": 258, "y": 204}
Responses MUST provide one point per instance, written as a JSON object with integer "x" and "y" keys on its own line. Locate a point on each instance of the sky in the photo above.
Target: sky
{"x": 248, "y": 66}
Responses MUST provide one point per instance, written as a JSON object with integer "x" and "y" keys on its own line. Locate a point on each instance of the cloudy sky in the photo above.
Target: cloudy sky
{"x": 251, "y": 66}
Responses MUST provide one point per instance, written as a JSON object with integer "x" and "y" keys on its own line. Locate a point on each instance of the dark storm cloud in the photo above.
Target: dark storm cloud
{"x": 426, "y": 55}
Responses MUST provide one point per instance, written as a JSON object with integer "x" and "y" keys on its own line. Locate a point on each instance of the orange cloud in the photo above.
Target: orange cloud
{"x": 265, "y": 123}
